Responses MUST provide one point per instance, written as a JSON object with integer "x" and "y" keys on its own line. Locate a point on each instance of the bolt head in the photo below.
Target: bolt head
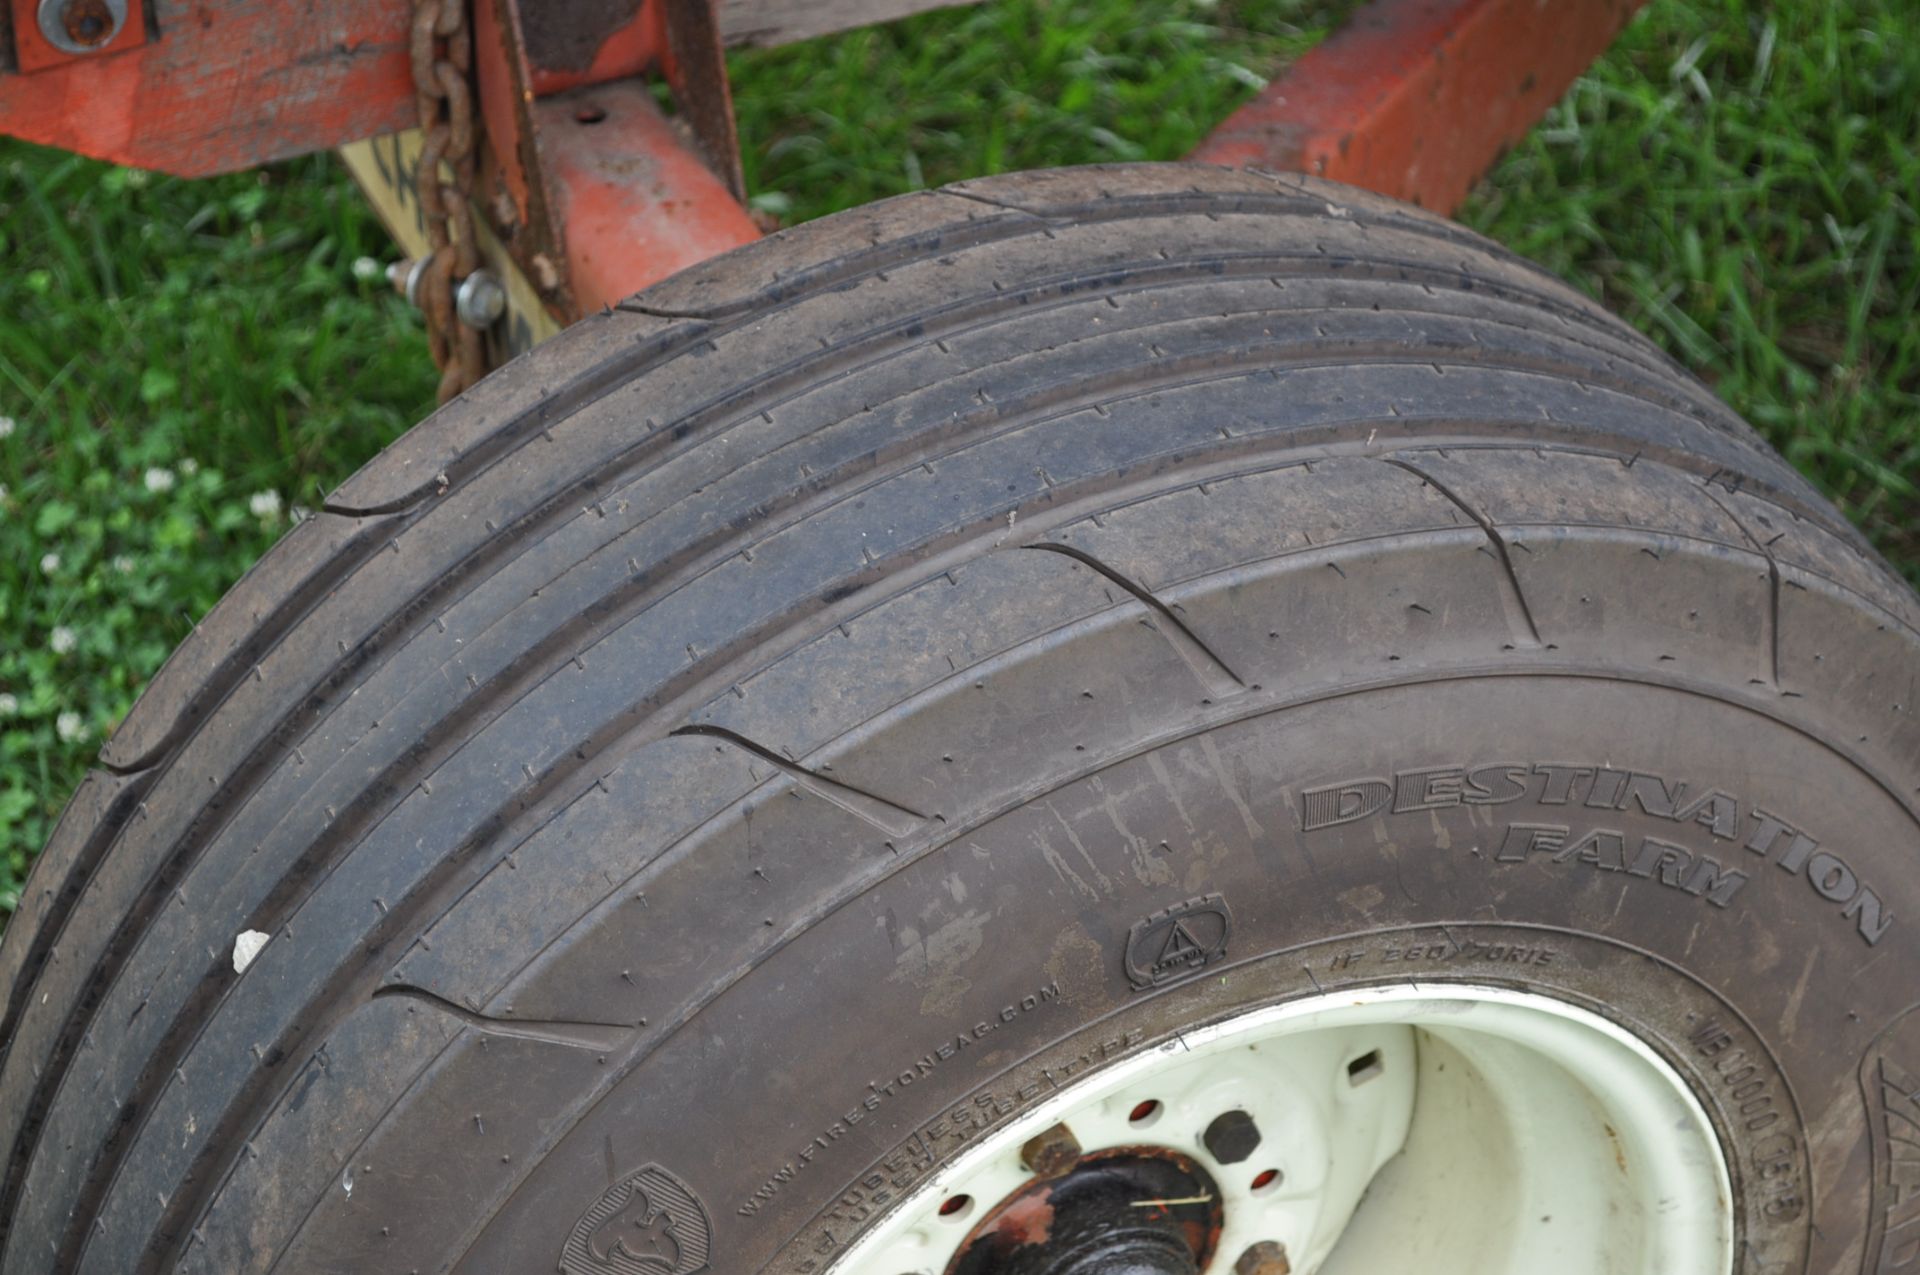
{"x": 1264, "y": 1258}
{"x": 1051, "y": 1152}
{"x": 480, "y": 300}
{"x": 81, "y": 26}
{"x": 1231, "y": 1137}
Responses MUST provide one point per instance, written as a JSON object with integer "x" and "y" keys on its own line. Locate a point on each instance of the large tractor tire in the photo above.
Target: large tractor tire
{"x": 1158, "y": 719}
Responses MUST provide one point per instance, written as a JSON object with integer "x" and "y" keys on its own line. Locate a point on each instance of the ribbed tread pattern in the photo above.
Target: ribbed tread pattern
{"x": 944, "y": 448}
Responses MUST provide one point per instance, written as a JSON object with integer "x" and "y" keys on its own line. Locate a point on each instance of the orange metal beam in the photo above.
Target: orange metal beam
{"x": 32, "y": 51}
{"x": 1417, "y": 98}
{"x": 224, "y": 85}
{"x": 636, "y": 202}
{"x": 195, "y": 87}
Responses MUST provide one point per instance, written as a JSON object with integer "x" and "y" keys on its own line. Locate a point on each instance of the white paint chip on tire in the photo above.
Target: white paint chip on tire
{"x": 246, "y": 946}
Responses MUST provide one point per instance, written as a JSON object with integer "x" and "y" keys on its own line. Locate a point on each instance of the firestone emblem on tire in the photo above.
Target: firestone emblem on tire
{"x": 648, "y": 1223}
{"x": 1177, "y": 942}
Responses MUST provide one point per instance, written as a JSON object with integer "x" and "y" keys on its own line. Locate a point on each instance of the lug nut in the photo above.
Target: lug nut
{"x": 1231, "y": 1137}
{"x": 1051, "y": 1152}
{"x": 1264, "y": 1258}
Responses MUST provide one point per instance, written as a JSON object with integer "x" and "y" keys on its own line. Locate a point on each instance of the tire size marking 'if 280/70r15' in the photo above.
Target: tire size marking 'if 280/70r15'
{"x": 1607, "y": 788}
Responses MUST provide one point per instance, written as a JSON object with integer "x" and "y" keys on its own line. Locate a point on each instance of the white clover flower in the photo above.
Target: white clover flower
{"x": 49, "y": 562}
{"x": 299, "y": 514}
{"x": 189, "y": 467}
{"x": 62, "y": 640}
{"x": 9, "y": 704}
{"x": 123, "y": 564}
{"x": 159, "y": 480}
{"x": 69, "y": 727}
{"x": 6, "y": 426}
{"x": 366, "y": 269}
{"x": 264, "y": 504}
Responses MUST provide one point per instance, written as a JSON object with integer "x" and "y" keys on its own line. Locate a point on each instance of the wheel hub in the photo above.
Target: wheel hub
{"x": 1454, "y": 1129}
{"x": 1133, "y": 1211}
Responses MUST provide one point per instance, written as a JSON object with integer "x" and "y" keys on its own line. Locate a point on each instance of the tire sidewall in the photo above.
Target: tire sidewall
{"x": 1022, "y": 948}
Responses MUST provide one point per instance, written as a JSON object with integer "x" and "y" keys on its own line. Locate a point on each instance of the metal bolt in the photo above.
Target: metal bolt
{"x": 1051, "y": 1152}
{"x": 405, "y": 277}
{"x": 1231, "y": 1137}
{"x": 81, "y": 26}
{"x": 1264, "y": 1258}
{"x": 480, "y": 300}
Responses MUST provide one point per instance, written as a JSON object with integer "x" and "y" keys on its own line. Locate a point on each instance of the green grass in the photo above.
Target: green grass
{"x": 184, "y": 363}
{"x": 1740, "y": 181}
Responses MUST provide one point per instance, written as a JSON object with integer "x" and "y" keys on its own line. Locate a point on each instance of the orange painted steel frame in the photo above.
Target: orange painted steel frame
{"x": 223, "y": 85}
{"x": 1418, "y": 98}
{"x": 196, "y": 87}
{"x": 637, "y": 211}
{"x": 598, "y": 194}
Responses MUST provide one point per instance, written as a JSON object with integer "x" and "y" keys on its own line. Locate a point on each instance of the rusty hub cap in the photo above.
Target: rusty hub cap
{"x": 1133, "y": 1211}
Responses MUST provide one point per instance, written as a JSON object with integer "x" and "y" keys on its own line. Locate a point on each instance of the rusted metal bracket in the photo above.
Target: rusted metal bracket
{"x": 1417, "y": 98}
{"x": 518, "y": 203}
{"x": 590, "y": 194}
{"x": 196, "y": 87}
{"x": 697, "y": 73}
{"x": 596, "y": 194}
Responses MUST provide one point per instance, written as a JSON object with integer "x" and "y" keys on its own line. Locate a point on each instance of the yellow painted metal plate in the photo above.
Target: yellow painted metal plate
{"x": 386, "y": 169}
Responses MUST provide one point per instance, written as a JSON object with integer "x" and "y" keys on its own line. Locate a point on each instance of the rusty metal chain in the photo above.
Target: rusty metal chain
{"x": 442, "y": 53}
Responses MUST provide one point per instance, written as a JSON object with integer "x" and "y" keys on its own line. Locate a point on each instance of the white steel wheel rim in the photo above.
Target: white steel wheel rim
{"x": 1468, "y": 1130}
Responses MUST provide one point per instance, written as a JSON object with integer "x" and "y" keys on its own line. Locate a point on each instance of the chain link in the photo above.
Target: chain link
{"x": 442, "y": 52}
